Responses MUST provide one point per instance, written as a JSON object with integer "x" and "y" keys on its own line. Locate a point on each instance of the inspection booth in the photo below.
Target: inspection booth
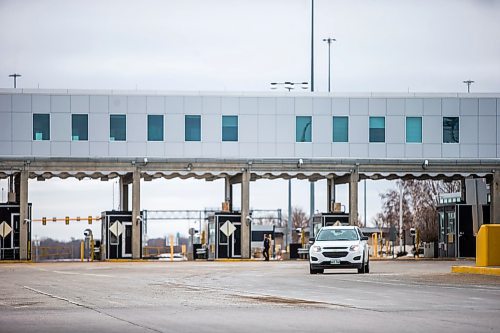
{"x": 116, "y": 235}
{"x": 10, "y": 231}
{"x": 328, "y": 219}
{"x": 224, "y": 235}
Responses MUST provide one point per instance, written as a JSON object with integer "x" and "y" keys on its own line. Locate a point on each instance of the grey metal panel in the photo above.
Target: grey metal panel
{"x": 21, "y": 148}
{"x": 60, "y": 104}
{"x": 212, "y": 105}
{"x": 174, "y": 104}
{"x": 249, "y": 105}
{"x": 212, "y": 128}
{"x": 137, "y": 149}
{"x": 340, "y": 106}
{"x": 414, "y": 106}
{"x": 40, "y": 103}
{"x": 469, "y": 106}
{"x": 5, "y": 103}
{"x": 285, "y": 105}
{"x": 487, "y": 151}
{"x": 396, "y": 106}
{"x": 99, "y": 104}
{"x": 137, "y": 127}
{"x": 117, "y": 104}
{"x": 432, "y": 106}
{"x": 432, "y": 129}
{"x": 303, "y": 106}
{"x": 136, "y": 104}
{"x": 267, "y": 150}
{"x": 358, "y": 106}
{"x": 322, "y": 106}
{"x": 285, "y": 150}
{"x": 395, "y": 129}
{"x": 468, "y": 129}
{"x": 498, "y": 130}
{"x": 230, "y": 149}
{"x": 118, "y": 148}
{"x": 192, "y": 105}
{"x": 432, "y": 150}
{"x": 155, "y": 105}
{"x": 174, "y": 128}
{"x": 267, "y": 105}
{"x": 413, "y": 150}
{"x": 267, "y": 128}
{"x": 6, "y": 148}
{"x": 230, "y": 105}
{"x": 450, "y": 150}
{"x": 155, "y": 149}
{"x": 303, "y": 149}
{"x": 487, "y": 129}
{"x": 40, "y": 148}
{"x": 322, "y": 129}
{"x": 395, "y": 150}
{"x": 340, "y": 150}
{"x": 80, "y": 148}
{"x": 60, "y": 127}
{"x": 358, "y": 129}
{"x": 192, "y": 149}
{"x": 249, "y": 150}
{"x": 210, "y": 149}
{"x": 377, "y": 150}
{"x": 60, "y": 149}
{"x": 6, "y": 126}
{"x": 22, "y": 125}
{"x": 80, "y": 104}
{"x": 285, "y": 129}
{"x": 174, "y": 149}
{"x": 358, "y": 150}
{"x": 451, "y": 106}
{"x": 98, "y": 127}
{"x": 99, "y": 149}
{"x": 247, "y": 130}
{"x": 468, "y": 151}
{"x": 377, "y": 106}
{"x": 21, "y": 103}
{"x": 487, "y": 107}
{"x": 322, "y": 150}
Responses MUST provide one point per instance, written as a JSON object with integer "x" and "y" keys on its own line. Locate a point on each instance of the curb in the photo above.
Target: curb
{"x": 495, "y": 271}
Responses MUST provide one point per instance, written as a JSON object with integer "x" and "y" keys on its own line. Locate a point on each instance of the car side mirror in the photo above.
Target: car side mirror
{"x": 311, "y": 240}
{"x": 365, "y": 238}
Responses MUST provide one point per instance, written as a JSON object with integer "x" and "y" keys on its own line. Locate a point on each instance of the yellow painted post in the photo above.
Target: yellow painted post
{"x": 488, "y": 245}
{"x": 171, "y": 247}
{"x": 375, "y": 246}
{"x": 92, "y": 250}
{"x": 183, "y": 249}
{"x": 82, "y": 250}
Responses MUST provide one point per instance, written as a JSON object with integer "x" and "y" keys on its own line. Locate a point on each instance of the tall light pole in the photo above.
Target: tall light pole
{"x": 468, "y": 83}
{"x": 312, "y": 45}
{"x": 15, "y": 76}
{"x": 329, "y": 41}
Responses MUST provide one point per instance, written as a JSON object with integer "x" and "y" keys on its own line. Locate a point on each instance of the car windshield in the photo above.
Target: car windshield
{"x": 337, "y": 235}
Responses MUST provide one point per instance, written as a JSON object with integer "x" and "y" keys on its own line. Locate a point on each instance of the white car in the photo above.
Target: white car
{"x": 339, "y": 247}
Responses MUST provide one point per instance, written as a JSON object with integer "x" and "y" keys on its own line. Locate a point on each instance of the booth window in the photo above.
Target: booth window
{"x": 340, "y": 129}
{"x": 118, "y": 127}
{"x": 377, "y": 129}
{"x": 229, "y": 128}
{"x": 451, "y": 132}
{"x": 303, "y": 128}
{"x": 79, "y": 127}
{"x": 155, "y": 127}
{"x": 41, "y": 127}
{"x": 192, "y": 130}
{"x": 414, "y": 129}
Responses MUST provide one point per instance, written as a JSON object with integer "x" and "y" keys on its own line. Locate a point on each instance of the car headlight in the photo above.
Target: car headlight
{"x": 316, "y": 248}
{"x": 354, "y": 248}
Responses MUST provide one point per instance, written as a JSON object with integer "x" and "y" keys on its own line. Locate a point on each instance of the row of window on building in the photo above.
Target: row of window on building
{"x": 192, "y": 128}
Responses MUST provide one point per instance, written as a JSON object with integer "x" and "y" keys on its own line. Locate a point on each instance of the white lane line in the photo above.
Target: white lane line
{"x": 77, "y": 273}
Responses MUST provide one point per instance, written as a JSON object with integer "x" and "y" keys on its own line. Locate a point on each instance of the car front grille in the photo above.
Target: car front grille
{"x": 335, "y": 254}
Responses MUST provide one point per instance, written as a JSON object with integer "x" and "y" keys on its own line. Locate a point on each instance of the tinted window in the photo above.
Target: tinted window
{"x": 337, "y": 235}
{"x": 303, "y": 128}
{"x": 192, "y": 128}
{"x": 451, "y": 132}
{"x": 155, "y": 128}
{"x": 117, "y": 127}
{"x": 229, "y": 128}
{"x": 41, "y": 127}
{"x": 340, "y": 129}
{"x": 414, "y": 129}
{"x": 377, "y": 129}
{"x": 79, "y": 127}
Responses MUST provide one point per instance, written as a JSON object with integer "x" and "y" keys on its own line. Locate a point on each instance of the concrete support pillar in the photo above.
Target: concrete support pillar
{"x": 330, "y": 194}
{"x": 495, "y": 198}
{"x": 136, "y": 209}
{"x": 353, "y": 197}
{"x": 23, "y": 216}
{"x": 245, "y": 211}
{"x": 228, "y": 192}
{"x": 123, "y": 194}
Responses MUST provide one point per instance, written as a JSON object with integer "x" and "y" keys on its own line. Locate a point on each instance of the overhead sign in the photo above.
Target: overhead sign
{"x": 5, "y": 229}
{"x": 116, "y": 228}
{"x": 228, "y": 228}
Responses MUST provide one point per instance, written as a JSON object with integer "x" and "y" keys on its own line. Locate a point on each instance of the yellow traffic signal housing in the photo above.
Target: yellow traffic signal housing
{"x": 44, "y": 220}
{"x": 90, "y": 219}
{"x": 67, "y": 219}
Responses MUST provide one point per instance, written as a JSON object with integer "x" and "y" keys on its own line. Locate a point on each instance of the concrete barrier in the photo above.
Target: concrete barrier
{"x": 488, "y": 245}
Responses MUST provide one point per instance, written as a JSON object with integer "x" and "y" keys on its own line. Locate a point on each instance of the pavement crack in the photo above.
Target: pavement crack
{"x": 90, "y": 308}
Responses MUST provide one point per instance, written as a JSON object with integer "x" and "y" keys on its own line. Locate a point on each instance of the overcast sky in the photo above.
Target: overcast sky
{"x": 239, "y": 45}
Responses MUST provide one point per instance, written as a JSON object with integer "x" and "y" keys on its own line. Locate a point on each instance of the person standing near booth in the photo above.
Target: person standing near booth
{"x": 267, "y": 244}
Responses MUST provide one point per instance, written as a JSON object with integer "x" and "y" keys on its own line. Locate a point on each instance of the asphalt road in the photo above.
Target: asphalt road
{"x": 245, "y": 297}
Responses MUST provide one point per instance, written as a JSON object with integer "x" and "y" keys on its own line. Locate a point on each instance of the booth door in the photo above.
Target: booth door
{"x": 126, "y": 240}
{"x": 228, "y": 246}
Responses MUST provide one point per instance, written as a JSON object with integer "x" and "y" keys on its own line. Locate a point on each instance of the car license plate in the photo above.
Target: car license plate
{"x": 335, "y": 261}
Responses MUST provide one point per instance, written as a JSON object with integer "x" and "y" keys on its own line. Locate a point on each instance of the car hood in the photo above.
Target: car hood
{"x": 324, "y": 244}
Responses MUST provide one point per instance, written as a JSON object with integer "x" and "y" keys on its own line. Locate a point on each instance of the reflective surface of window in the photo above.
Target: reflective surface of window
{"x": 79, "y": 127}
{"x": 117, "y": 127}
{"x": 41, "y": 127}
{"x": 414, "y": 129}
{"x": 451, "y": 132}
{"x": 229, "y": 128}
{"x": 155, "y": 127}
{"x": 192, "y": 128}
{"x": 303, "y": 128}
{"x": 340, "y": 129}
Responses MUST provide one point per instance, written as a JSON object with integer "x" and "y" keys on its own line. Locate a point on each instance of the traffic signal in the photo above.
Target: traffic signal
{"x": 90, "y": 219}
{"x": 67, "y": 219}
{"x": 44, "y": 220}
{"x": 413, "y": 232}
